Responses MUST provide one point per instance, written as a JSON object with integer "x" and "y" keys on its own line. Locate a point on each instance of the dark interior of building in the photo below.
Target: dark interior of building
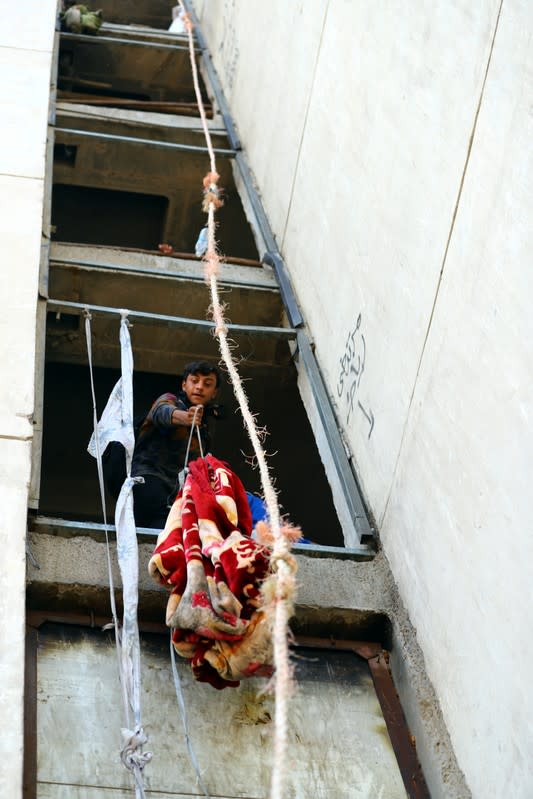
{"x": 125, "y": 182}
{"x": 153, "y": 13}
{"x": 69, "y": 486}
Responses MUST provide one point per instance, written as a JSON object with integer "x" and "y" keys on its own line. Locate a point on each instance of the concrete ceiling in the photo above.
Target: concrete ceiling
{"x": 173, "y": 288}
{"x": 122, "y": 66}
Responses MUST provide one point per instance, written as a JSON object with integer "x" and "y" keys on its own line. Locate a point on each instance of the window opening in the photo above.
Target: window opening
{"x": 69, "y": 488}
{"x": 106, "y": 198}
{"x": 105, "y": 216}
{"x": 65, "y": 154}
{"x": 152, "y": 13}
{"x": 125, "y": 68}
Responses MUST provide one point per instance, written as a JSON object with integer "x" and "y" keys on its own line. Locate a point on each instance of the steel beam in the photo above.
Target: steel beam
{"x": 86, "y": 39}
{"x": 348, "y": 484}
{"x": 226, "y": 279}
{"x": 161, "y": 320}
{"x": 190, "y": 148}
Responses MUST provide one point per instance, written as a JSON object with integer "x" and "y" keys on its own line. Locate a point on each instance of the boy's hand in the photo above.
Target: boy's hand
{"x": 187, "y": 418}
{"x": 195, "y": 414}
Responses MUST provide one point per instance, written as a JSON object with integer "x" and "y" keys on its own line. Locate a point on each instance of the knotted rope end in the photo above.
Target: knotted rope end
{"x": 132, "y": 741}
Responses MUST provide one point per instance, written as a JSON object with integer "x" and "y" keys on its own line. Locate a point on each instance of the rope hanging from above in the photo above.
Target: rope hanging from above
{"x": 279, "y": 590}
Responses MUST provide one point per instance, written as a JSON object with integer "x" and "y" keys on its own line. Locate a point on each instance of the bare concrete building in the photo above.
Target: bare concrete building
{"x": 375, "y": 234}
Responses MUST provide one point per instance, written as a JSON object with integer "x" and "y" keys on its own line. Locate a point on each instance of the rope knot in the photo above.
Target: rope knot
{"x": 212, "y": 198}
{"x": 187, "y": 21}
{"x": 133, "y": 740}
{"x": 212, "y": 193}
{"x": 277, "y": 558}
{"x": 211, "y": 180}
{"x": 124, "y": 313}
{"x": 288, "y": 532}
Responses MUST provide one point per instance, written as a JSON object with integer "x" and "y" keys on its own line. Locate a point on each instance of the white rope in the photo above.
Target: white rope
{"x": 189, "y": 28}
{"x": 281, "y": 562}
{"x": 185, "y": 470}
{"x": 283, "y": 570}
{"x": 194, "y": 427}
{"x": 184, "y": 719}
{"x": 126, "y": 640}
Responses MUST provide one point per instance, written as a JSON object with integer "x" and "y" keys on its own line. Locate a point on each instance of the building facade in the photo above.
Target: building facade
{"x": 377, "y": 233}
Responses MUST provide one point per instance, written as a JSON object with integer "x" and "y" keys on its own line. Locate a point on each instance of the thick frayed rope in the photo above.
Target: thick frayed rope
{"x": 279, "y": 590}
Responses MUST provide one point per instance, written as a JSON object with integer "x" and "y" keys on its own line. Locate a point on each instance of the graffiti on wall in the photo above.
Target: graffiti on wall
{"x": 351, "y": 369}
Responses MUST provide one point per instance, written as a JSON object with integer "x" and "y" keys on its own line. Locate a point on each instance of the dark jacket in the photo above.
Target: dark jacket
{"x": 161, "y": 446}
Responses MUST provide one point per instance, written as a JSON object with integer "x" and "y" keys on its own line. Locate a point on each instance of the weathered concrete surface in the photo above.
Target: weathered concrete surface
{"x": 162, "y": 293}
{"x": 468, "y": 445}
{"x": 336, "y": 599}
{"x": 156, "y": 13}
{"x": 171, "y": 175}
{"x": 268, "y": 85}
{"x": 72, "y": 576}
{"x": 408, "y": 189}
{"x": 338, "y": 742}
{"x": 20, "y": 232}
{"x": 158, "y": 72}
{"x": 25, "y": 62}
{"x": 189, "y": 268}
{"x": 140, "y": 124}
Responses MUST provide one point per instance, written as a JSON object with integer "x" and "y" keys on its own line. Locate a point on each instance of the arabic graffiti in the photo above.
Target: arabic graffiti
{"x": 352, "y": 366}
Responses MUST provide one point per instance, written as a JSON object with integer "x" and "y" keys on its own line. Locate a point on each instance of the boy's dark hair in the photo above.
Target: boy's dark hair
{"x": 201, "y": 368}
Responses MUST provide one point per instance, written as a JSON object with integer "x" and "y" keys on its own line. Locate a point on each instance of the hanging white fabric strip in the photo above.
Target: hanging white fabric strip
{"x": 111, "y": 427}
{"x": 116, "y": 424}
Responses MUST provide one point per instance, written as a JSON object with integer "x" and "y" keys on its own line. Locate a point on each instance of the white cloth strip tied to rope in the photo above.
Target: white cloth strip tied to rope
{"x": 282, "y": 562}
{"x": 116, "y": 424}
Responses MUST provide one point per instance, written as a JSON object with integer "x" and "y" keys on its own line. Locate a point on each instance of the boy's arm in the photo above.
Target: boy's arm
{"x": 168, "y": 411}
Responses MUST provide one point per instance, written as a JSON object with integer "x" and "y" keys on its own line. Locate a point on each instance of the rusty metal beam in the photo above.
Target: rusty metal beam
{"x": 402, "y": 742}
{"x": 29, "y": 774}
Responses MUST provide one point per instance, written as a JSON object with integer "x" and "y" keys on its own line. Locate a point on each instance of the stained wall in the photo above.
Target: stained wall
{"x": 392, "y": 150}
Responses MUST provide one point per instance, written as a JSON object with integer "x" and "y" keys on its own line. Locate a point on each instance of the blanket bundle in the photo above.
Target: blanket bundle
{"x": 215, "y": 570}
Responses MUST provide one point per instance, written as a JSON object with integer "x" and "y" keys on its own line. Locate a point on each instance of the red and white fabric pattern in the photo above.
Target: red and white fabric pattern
{"x": 215, "y": 570}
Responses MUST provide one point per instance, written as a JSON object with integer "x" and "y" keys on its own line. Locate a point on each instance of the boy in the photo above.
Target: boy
{"x": 161, "y": 445}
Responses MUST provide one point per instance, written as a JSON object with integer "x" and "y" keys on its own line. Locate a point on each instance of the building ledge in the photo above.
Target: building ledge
{"x": 67, "y": 528}
{"x": 338, "y": 590}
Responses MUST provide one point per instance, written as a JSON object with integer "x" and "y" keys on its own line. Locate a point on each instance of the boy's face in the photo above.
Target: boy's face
{"x": 200, "y": 389}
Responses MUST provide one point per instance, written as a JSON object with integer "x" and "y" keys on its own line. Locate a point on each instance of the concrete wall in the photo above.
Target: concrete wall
{"x": 393, "y": 153}
{"x": 26, "y": 41}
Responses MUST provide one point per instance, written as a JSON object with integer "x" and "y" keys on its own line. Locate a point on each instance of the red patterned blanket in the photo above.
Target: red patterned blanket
{"x": 215, "y": 570}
